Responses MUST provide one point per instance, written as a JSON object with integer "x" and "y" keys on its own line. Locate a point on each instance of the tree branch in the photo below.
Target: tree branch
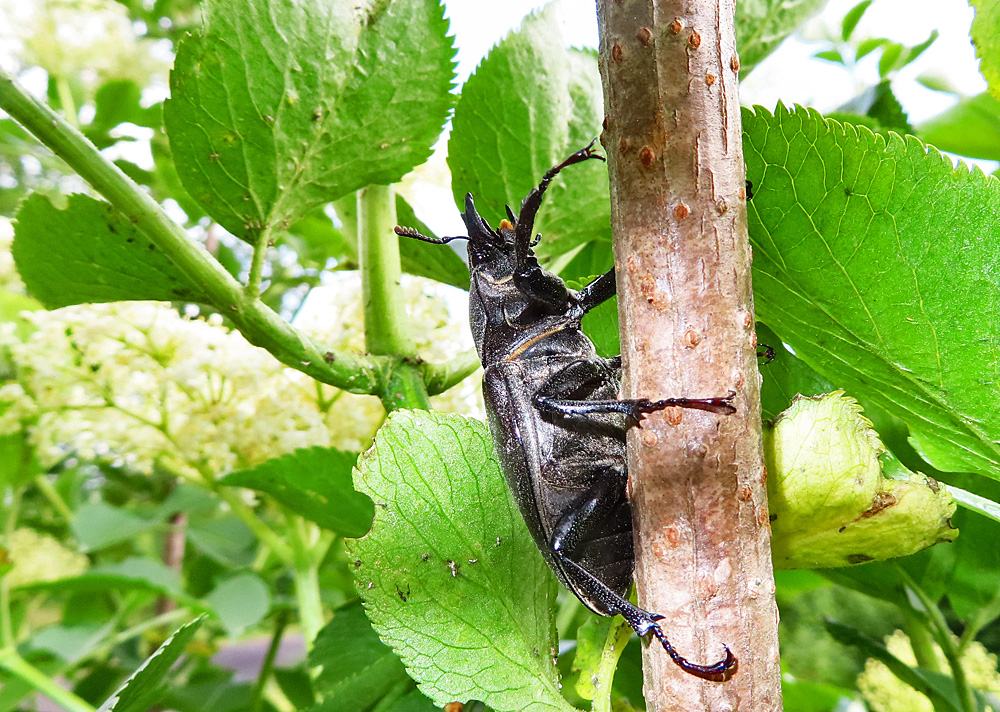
{"x": 674, "y": 144}
{"x": 259, "y": 324}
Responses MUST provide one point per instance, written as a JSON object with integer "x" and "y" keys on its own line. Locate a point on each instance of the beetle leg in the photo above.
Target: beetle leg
{"x": 634, "y": 408}
{"x": 572, "y": 529}
{"x": 598, "y": 291}
{"x": 565, "y": 393}
{"x": 644, "y": 623}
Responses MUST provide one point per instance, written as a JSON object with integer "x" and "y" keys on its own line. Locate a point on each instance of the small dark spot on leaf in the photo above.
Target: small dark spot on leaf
{"x": 329, "y": 357}
{"x": 848, "y": 192}
{"x": 858, "y": 558}
{"x": 772, "y": 518}
{"x": 151, "y": 247}
{"x": 883, "y": 500}
{"x": 111, "y": 227}
{"x": 425, "y": 557}
{"x": 129, "y": 239}
{"x": 842, "y": 529}
{"x": 357, "y": 564}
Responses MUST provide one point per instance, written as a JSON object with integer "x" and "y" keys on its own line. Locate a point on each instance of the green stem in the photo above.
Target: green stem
{"x": 178, "y": 614}
{"x": 983, "y": 616}
{"x": 921, "y": 640}
{"x": 948, "y": 643}
{"x": 265, "y": 668}
{"x": 19, "y": 667}
{"x": 267, "y": 535}
{"x": 9, "y": 525}
{"x": 439, "y": 377}
{"x": 618, "y": 637}
{"x": 51, "y": 494}
{"x": 259, "y": 324}
{"x": 386, "y": 326}
{"x": 257, "y": 263}
{"x": 6, "y": 621}
{"x": 347, "y": 211}
{"x": 306, "y": 582}
{"x": 66, "y": 99}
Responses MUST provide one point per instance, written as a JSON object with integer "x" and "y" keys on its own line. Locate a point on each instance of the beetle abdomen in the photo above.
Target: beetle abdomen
{"x": 553, "y": 468}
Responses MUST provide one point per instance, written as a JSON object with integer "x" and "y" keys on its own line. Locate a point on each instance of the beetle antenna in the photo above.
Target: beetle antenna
{"x": 410, "y": 232}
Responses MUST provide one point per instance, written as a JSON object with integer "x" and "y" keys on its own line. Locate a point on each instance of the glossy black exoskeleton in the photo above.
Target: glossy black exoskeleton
{"x": 555, "y": 415}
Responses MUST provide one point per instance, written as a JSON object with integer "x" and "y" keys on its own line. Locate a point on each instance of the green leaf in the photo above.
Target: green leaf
{"x": 119, "y": 101}
{"x": 71, "y": 643}
{"x": 240, "y": 601}
{"x": 870, "y": 255}
{"x": 852, "y": 18}
{"x": 918, "y": 49}
{"x": 986, "y": 38}
{"x": 450, "y": 576}
{"x": 358, "y": 668}
{"x": 90, "y": 252}
{"x": 18, "y": 464}
{"x": 866, "y": 47}
{"x": 803, "y": 696}
{"x": 226, "y": 539}
{"x": 975, "y": 503}
{"x": 762, "y": 25}
{"x": 413, "y": 702}
{"x": 97, "y": 525}
{"x": 315, "y": 483}
{"x": 891, "y": 52}
{"x": 133, "y": 573}
{"x": 503, "y": 141}
{"x": 830, "y": 55}
{"x": 577, "y": 209}
{"x": 970, "y": 128}
{"x": 146, "y": 685}
{"x": 973, "y": 586}
{"x": 277, "y": 108}
{"x": 296, "y": 684}
{"x": 915, "y": 678}
{"x": 424, "y": 259}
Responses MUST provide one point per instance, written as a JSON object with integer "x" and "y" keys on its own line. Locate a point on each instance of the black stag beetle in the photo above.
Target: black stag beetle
{"x": 555, "y": 415}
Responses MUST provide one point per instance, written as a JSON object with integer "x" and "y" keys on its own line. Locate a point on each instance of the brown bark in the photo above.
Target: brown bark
{"x": 673, "y": 137}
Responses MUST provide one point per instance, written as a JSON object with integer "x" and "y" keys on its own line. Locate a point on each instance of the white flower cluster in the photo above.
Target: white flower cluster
{"x": 67, "y": 36}
{"x": 39, "y": 557}
{"x": 884, "y": 692}
{"x": 10, "y": 280}
{"x": 139, "y": 383}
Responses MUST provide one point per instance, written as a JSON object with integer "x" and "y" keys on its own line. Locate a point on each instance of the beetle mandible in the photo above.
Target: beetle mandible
{"x": 555, "y": 415}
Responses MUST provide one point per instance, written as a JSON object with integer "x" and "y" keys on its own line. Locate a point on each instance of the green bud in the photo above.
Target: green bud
{"x": 830, "y": 502}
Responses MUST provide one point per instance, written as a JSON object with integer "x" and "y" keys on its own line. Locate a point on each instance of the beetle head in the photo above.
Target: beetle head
{"x": 486, "y": 245}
